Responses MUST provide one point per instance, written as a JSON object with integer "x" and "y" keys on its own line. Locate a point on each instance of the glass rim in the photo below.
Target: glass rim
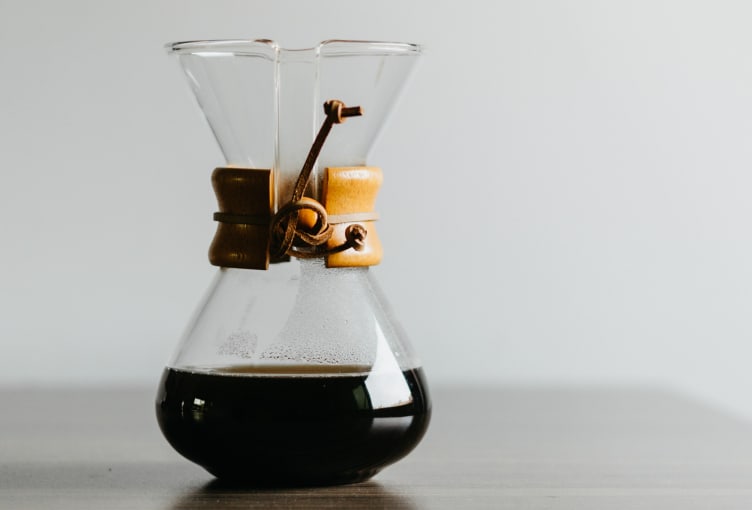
{"x": 266, "y": 47}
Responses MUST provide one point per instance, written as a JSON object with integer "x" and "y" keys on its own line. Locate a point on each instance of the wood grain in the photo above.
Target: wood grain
{"x": 505, "y": 448}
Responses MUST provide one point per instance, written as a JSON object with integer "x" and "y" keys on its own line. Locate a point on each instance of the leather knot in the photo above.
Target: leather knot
{"x": 289, "y": 232}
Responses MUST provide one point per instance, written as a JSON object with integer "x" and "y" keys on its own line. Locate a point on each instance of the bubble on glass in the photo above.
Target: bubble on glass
{"x": 240, "y": 344}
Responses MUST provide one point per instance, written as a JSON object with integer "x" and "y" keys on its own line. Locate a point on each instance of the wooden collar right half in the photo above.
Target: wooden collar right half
{"x": 350, "y": 198}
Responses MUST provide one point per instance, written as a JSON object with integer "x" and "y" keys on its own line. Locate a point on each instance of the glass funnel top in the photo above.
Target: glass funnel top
{"x": 269, "y": 48}
{"x": 264, "y": 102}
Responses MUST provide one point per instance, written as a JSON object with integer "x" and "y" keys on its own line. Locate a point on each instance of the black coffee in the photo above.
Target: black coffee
{"x": 300, "y": 428}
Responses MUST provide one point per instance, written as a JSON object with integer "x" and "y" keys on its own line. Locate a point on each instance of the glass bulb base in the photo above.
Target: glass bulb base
{"x": 293, "y": 426}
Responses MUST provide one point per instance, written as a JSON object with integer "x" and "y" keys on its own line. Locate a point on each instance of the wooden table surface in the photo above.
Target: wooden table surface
{"x": 575, "y": 448}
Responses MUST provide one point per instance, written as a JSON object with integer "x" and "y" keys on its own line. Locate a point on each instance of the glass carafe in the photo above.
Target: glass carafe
{"x": 293, "y": 372}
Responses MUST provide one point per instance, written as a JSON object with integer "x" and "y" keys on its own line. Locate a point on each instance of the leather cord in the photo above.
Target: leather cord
{"x": 287, "y": 234}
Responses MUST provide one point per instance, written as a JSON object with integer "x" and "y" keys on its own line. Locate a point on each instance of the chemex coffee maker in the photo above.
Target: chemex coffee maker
{"x": 293, "y": 370}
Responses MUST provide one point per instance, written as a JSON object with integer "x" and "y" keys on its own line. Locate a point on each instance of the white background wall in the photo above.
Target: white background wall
{"x": 593, "y": 158}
